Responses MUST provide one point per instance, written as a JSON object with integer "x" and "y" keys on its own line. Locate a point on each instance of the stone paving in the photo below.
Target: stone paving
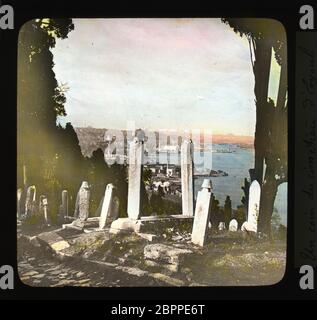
{"x": 44, "y": 272}
{"x": 36, "y": 268}
{"x": 131, "y": 260}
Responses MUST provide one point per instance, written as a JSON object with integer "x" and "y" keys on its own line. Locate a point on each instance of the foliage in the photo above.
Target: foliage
{"x": 51, "y": 153}
{"x": 227, "y": 211}
{"x": 215, "y": 215}
{"x": 245, "y": 197}
{"x": 147, "y": 175}
{"x": 270, "y": 168}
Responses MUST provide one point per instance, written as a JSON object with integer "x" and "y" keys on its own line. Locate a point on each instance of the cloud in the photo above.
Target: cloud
{"x": 162, "y": 73}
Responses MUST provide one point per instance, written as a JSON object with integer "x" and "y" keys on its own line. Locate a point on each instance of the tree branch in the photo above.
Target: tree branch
{"x": 250, "y": 48}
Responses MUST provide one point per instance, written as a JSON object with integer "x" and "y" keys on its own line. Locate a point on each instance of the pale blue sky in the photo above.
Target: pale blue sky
{"x": 160, "y": 73}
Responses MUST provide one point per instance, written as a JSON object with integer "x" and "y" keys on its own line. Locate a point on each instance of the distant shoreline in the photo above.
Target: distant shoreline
{"x": 239, "y": 140}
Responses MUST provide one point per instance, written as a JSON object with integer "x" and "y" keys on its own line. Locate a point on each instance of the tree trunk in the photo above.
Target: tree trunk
{"x": 282, "y": 90}
{"x": 276, "y": 149}
{"x": 261, "y": 70}
{"x": 267, "y": 199}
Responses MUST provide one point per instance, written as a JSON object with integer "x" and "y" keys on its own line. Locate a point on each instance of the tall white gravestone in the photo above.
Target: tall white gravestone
{"x": 82, "y": 202}
{"x": 45, "y": 209}
{"x": 30, "y": 200}
{"x": 202, "y": 214}
{"x": 19, "y": 200}
{"x": 64, "y": 205}
{"x": 187, "y": 162}
{"x": 253, "y": 207}
{"x": 136, "y": 152}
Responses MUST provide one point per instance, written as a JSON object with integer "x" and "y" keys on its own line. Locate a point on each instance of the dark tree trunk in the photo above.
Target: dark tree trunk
{"x": 275, "y": 154}
{"x": 282, "y": 86}
{"x": 261, "y": 70}
{"x": 268, "y": 195}
{"x": 270, "y": 141}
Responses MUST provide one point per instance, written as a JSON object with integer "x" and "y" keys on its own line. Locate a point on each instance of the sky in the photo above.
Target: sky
{"x": 160, "y": 73}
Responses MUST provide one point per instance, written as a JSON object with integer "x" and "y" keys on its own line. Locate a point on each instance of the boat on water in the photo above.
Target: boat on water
{"x": 210, "y": 173}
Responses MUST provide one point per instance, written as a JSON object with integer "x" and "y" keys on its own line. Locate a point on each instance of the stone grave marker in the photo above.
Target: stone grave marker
{"x": 107, "y": 206}
{"x": 41, "y": 208}
{"x": 221, "y": 226}
{"x": 233, "y": 225}
{"x": 202, "y": 214}
{"x": 64, "y": 204}
{"x": 82, "y": 202}
{"x": 187, "y": 178}
{"x": 253, "y": 207}
{"x": 136, "y": 153}
{"x": 19, "y": 200}
{"x": 45, "y": 209}
{"x": 30, "y": 200}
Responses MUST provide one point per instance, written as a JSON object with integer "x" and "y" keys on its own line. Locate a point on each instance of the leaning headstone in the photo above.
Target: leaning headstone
{"x": 202, "y": 214}
{"x": 19, "y": 201}
{"x": 82, "y": 202}
{"x": 136, "y": 153}
{"x": 106, "y": 206}
{"x": 253, "y": 207}
{"x": 233, "y": 225}
{"x": 30, "y": 200}
{"x": 187, "y": 178}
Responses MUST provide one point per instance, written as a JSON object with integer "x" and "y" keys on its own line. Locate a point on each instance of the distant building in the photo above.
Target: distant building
{"x": 169, "y": 148}
{"x": 170, "y": 170}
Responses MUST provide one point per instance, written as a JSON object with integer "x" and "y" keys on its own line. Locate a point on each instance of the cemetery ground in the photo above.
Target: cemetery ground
{"x": 155, "y": 250}
{"x": 69, "y": 257}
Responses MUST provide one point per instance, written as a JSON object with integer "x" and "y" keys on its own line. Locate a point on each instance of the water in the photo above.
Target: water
{"x": 237, "y": 165}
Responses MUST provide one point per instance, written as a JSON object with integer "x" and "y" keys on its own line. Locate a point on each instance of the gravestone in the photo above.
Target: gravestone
{"x": 19, "y": 202}
{"x": 82, "y": 202}
{"x": 233, "y": 225}
{"x": 253, "y": 207}
{"x": 187, "y": 178}
{"x": 45, "y": 209}
{"x": 30, "y": 200}
{"x": 136, "y": 152}
{"x": 221, "y": 226}
{"x": 41, "y": 208}
{"x": 108, "y": 209}
{"x": 245, "y": 226}
{"x": 202, "y": 214}
{"x": 64, "y": 204}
